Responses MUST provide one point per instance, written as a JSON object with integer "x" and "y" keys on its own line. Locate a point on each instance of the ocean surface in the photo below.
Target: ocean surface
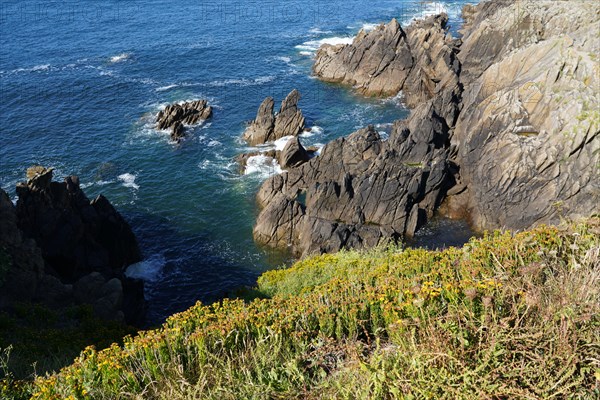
{"x": 82, "y": 82}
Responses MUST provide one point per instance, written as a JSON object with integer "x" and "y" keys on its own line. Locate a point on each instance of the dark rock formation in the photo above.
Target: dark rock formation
{"x": 390, "y": 58}
{"x": 358, "y": 192}
{"x": 55, "y": 238}
{"x": 176, "y": 116}
{"x": 76, "y": 236}
{"x": 23, "y": 271}
{"x": 268, "y": 127}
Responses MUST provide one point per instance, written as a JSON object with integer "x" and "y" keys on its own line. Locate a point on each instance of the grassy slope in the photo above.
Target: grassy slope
{"x": 506, "y": 316}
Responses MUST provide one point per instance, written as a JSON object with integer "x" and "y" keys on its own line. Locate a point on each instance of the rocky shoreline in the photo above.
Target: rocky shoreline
{"x": 504, "y": 130}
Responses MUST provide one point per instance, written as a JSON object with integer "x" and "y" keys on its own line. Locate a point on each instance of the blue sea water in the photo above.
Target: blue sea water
{"x": 81, "y": 83}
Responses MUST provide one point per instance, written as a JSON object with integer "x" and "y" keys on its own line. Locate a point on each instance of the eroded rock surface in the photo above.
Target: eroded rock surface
{"x": 528, "y": 135}
{"x": 390, "y": 58}
{"x": 268, "y": 127}
{"x": 176, "y": 116}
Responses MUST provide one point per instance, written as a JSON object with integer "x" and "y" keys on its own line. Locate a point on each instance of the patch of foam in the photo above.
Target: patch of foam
{"x": 369, "y": 27}
{"x": 308, "y": 48}
{"x": 306, "y": 53}
{"x": 280, "y": 143}
{"x": 120, "y": 57}
{"x": 318, "y": 31}
{"x": 129, "y": 180}
{"x": 286, "y": 60}
{"x": 427, "y": 9}
{"x": 148, "y": 270}
{"x": 319, "y": 147}
{"x": 315, "y": 130}
{"x": 95, "y": 183}
{"x": 262, "y": 166}
{"x": 214, "y": 143}
{"x": 163, "y": 88}
{"x": 242, "y": 82}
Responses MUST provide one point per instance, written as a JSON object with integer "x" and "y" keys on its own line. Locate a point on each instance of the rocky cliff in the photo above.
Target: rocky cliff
{"x": 503, "y": 130}
{"x": 62, "y": 248}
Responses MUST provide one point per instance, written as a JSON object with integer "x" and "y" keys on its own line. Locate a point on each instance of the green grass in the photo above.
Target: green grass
{"x": 506, "y": 316}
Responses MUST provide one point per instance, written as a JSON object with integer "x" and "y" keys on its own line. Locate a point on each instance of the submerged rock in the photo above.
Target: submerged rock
{"x": 176, "y": 116}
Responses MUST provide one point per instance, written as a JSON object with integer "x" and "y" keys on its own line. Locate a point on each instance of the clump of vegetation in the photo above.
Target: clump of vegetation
{"x": 36, "y": 340}
{"x": 506, "y": 316}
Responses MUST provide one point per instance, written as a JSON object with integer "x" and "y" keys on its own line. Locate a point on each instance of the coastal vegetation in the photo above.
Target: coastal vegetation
{"x": 506, "y": 316}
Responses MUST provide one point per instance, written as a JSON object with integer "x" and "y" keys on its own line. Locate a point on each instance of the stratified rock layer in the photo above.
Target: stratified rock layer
{"x": 528, "y": 134}
{"x": 390, "y": 59}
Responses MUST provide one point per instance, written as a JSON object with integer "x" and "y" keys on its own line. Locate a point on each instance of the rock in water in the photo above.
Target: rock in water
{"x": 262, "y": 128}
{"x": 89, "y": 236}
{"x": 359, "y": 192}
{"x": 268, "y": 127}
{"x": 176, "y": 116}
{"x": 390, "y": 59}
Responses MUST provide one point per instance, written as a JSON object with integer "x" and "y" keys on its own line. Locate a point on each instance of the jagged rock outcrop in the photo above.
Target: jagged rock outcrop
{"x": 528, "y": 135}
{"x": 177, "y": 116}
{"x": 23, "y": 271}
{"x": 390, "y": 59}
{"x": 268, "y": 127}
{"x": 359, "y": 192}
{"x": 76, "y": 235}
{"x": 55, "y": 237}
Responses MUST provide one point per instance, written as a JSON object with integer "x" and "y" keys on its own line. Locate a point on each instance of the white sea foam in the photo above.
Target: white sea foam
{"x": 242, "y": 81}
{"x": 214, "y": 143}
{"x": 95, "y": 183}
{"x": 369, "y": 27}
{"x": 36, "y": 68}
{"x": 286, "y": 60}
{"x": 129, "y": 180}
{"x": 163, "y": 88}
{"x": 120, "y": 57}
{"x": 262, "y": 166}
{"x": 148, "y": 270}
{"x": 308, "y": 48}
{"x": 429, "y": 8}
{"x": 306, "y": 53}
{"x": 318, "y": 31}
{"x": 315, "y": 130}
{"x": 280, "y": 143}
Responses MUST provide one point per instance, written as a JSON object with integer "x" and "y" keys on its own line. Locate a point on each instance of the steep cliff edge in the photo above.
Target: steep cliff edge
{"x": 528, "y": 133}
